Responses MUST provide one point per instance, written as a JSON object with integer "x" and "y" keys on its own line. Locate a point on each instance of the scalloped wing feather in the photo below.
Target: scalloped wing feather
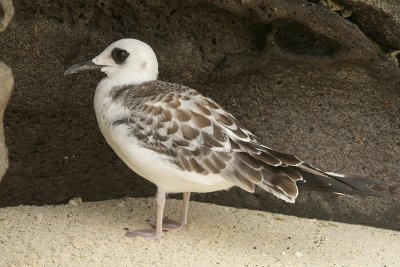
{"x": 200, "y": 137}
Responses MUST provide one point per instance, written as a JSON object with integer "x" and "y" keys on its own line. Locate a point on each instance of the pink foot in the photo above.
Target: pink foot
{"x": 148, "y": 234}
{"x": 169, "y": 225}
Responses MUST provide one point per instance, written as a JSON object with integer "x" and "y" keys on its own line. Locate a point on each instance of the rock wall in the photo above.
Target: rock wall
{"x": 6, "y": 85}
{"x": 302, "y": 77}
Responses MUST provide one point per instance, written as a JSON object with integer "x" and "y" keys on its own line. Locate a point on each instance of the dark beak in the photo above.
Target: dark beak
{"x": 87, "y": 65}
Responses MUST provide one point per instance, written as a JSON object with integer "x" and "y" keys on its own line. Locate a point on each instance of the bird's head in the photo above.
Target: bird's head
{"x": 129, "y": 61}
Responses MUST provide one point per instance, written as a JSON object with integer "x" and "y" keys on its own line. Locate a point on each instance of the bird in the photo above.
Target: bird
{"x": 185, "y": 142}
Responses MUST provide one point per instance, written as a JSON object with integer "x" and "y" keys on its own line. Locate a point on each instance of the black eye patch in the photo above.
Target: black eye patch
{"x": 119, "y": 55}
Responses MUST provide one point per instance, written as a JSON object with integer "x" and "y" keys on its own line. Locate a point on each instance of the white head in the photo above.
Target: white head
{"x": 127, "y": 61}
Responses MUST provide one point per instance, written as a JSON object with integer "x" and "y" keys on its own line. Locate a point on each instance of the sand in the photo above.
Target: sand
{"x": 91, "y": 234}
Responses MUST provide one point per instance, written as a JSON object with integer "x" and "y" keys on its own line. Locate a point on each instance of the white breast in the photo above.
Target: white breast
{"x": 149, "y": 164}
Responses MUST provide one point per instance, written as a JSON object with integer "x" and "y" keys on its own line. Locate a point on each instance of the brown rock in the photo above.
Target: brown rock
{"x": 7, "y": 12}
{"x": 6, "y": 86}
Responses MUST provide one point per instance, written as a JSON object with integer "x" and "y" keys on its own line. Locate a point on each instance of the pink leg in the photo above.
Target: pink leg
{"x": 152, "y": 234}
{"x": 185, "y": 209}
{"x": 169, "y": 225}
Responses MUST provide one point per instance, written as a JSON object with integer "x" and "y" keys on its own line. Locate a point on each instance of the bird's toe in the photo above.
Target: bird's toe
{"x": 169, "y": 225}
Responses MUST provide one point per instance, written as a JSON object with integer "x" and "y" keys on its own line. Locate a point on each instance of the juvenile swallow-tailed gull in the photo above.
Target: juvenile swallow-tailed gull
{"x": 185, "y": 142}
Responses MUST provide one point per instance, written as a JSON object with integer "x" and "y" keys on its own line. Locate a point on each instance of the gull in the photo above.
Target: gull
{"x": 185, "y": 142}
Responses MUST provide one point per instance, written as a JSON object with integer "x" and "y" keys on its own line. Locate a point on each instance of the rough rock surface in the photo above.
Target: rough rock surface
{"x": 6, "y": 85}
{"x": 7, "y": 13}
{"x": 379, "y": 19}
{"x": 303, "y": 78}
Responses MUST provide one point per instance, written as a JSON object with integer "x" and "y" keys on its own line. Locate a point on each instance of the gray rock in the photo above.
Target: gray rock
{"x": 305, "y": 79}
{"x": 7, "y": 13}
{"x": 378, "y": 19}
{"x": 6, "y": 86}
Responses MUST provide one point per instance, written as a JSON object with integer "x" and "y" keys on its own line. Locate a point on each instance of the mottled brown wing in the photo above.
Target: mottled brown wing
{"x": 199, "y": 136}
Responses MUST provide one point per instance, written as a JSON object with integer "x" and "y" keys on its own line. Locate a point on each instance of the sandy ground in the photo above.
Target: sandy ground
{"x": 92, "y": 234}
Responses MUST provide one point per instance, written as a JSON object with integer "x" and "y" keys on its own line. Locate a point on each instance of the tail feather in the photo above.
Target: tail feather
{"x": 316, "y": 180}
{"x": 283, "y": 174}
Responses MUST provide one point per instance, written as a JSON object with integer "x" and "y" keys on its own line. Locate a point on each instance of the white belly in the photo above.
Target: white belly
{"x": 157, "y": 169}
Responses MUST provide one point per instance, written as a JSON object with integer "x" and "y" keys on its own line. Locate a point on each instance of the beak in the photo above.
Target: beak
{"x": 87, "y": 65}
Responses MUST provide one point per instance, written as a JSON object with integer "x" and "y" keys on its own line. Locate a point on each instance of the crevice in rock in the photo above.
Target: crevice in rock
{"x": 296, "y": 38}
{"x": 259, "y": 32}
{"x": 375, "y": 23}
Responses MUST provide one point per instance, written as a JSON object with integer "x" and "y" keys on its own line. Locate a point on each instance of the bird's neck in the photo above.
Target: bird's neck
{"x": 104, "y": 106}
{"x": 103, "y": 99}
{"x": 122, "y": 80}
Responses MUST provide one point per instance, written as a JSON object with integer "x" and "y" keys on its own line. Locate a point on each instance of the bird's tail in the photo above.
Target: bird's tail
{"x": 317, "y": 180}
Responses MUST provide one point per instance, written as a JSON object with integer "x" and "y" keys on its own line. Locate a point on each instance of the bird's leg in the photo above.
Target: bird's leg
{"x": 169, "y": 224}
{"x": 157, "y": 233}
{"x": 185, "y": 209}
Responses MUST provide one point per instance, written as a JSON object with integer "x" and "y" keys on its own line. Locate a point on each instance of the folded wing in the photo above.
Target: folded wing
{"x": 197, "y": 135}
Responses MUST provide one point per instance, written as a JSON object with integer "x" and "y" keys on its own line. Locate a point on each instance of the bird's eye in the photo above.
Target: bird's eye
{"x": 119, "y": 55}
